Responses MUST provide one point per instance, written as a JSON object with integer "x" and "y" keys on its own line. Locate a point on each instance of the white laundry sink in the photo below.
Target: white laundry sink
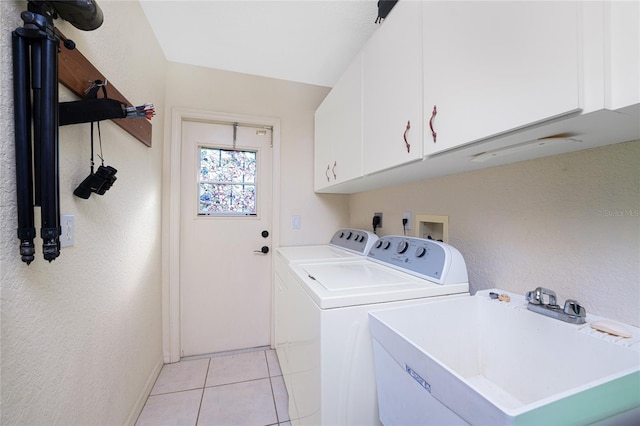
{"x": 494, "y": 362}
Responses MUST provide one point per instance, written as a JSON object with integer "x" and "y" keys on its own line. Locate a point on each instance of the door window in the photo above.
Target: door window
{"x": 227, "y": 182}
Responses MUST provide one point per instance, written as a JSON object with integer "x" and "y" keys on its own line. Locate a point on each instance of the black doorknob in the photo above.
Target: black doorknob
{"x": 263, "y": 250}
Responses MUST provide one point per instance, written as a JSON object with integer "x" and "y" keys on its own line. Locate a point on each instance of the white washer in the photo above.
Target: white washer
{"x": 329, "y": 371}
{"x": 346, "y": 244}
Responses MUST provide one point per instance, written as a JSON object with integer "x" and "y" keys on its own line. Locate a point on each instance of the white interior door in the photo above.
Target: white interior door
{"x": 225, "y": 278}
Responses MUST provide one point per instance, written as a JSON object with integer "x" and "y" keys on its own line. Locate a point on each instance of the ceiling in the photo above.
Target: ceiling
{"x": 307, "y": 41}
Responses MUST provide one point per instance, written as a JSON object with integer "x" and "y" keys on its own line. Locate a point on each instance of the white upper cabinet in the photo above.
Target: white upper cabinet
{"x": 464, "y": 85}
{"x": 338, "y": 131}
{"x": 622, "y": 53}
{"x": 393, "y": 90}
{"x": 492, "y": 67}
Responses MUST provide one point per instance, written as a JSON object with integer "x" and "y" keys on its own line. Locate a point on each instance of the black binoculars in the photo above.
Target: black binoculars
{"x": 98, "y": 182}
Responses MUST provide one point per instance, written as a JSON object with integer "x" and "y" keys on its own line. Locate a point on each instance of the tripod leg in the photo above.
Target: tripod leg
{"x": 36, "y": 86}
{"x": 50, "y": 207}
{"x": 24, "y": 173}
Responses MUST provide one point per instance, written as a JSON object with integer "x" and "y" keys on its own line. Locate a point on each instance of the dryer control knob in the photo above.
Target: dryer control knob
{"x": 402, "y": 247}
{"x": 349, "y": 235}
{"x": 420, "y": 251}
{"x": 387, "y": 244}
{"x": 379, "y": 244}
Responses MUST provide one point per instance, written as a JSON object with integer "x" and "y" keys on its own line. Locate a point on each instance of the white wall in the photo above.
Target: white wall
{"x": 294, "y": 104}
{"x": 570, "y": 223}
{"x": 81, "y": 336}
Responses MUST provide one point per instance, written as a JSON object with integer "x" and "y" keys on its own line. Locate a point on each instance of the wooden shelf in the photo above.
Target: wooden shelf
{"x": 75, "y": 72}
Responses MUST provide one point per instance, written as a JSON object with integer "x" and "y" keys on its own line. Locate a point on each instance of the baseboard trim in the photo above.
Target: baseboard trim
{"x": 144, "y": 394}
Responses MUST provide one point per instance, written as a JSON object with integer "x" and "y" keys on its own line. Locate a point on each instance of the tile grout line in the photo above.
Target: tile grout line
{"x": 224, "y": 353}
{"x": 175, "y": 391}
{"x": 271, "y": 370}
{"x": 204, "y": 386}
{"x": 273, "y": 397}
{"x": 266, "y": 359}
{"x": 273, "y": 394}
{"x": 268, "y": 376}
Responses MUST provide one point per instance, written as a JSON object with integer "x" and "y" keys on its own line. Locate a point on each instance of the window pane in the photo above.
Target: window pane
{"x": 224, "y": 198}
{"x": 227, "y": 182}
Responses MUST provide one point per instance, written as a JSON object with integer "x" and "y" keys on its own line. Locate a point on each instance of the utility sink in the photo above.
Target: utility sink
{"x": 484, "y": 361}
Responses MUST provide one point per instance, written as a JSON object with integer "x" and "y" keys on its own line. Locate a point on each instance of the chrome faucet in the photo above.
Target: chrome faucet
{"x": 573, "y": 312}
{"x": 537, "y": 296}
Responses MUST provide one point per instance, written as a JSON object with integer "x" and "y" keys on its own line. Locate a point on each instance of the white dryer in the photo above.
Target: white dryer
{"x": 346, "y": 243}
{"x": 330, "y": 375}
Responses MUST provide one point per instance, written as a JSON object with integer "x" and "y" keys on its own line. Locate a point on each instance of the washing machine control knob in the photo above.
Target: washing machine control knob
{"x": 402, "y": 247}
{"x": 382, "y": 244}
{"x": 421, "y": 251}
{"x": 349, "y": 235}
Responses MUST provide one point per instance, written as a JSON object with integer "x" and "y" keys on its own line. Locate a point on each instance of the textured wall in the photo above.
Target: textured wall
{"x": 81, "y": 336}
{"x": 569, "y": 223}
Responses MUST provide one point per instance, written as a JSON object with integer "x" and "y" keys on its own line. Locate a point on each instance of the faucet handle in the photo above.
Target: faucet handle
{"x": 536, "y": 296}
{"x": 573, "y": 308}
{"x": 552, "y": 296}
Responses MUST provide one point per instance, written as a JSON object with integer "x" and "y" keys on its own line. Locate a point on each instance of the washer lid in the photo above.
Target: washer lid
{"x": 347, "y": 275}
{"x": 316, "y": 253}
{"x": 363, "y": 282}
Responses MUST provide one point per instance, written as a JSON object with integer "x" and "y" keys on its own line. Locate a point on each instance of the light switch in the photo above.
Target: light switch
{"x": 295, "y": 222}
{"x": 68, "y": 225}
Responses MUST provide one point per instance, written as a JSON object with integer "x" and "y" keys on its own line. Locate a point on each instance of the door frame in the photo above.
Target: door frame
{"x": 171, "y": 183}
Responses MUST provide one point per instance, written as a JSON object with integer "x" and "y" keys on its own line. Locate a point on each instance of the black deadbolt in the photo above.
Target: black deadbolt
{"x": 265, "y": 234}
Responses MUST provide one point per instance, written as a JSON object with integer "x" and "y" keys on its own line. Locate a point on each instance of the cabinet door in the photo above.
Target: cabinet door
{"x": 492, "y": 67}
{"x": 622, "y": 47}
{"x": 392, "y": 90}
{"x": 323, "y": 149}
{"x": 338, "y": 130}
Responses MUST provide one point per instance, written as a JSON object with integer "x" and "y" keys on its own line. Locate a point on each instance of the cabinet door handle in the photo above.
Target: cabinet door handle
{"x": 405, "y": 136}
{"x": 333, "y": 170}
{"x": 326, "y": 173}
{"x": 433, "y": 115}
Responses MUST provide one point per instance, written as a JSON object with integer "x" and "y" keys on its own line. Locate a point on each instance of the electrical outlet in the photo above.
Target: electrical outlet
{"x": 295, "y": 222}
{"x": 68, "y": 225}
{"x": 407, "y": 215}
{"x": 380, "y": 220}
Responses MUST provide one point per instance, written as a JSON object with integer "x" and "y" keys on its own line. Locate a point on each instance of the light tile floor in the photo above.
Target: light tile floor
{"x": 238, "y": 389}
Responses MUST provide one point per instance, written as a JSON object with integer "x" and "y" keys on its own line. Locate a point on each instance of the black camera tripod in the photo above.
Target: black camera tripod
{"x": 35, "y": 79}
